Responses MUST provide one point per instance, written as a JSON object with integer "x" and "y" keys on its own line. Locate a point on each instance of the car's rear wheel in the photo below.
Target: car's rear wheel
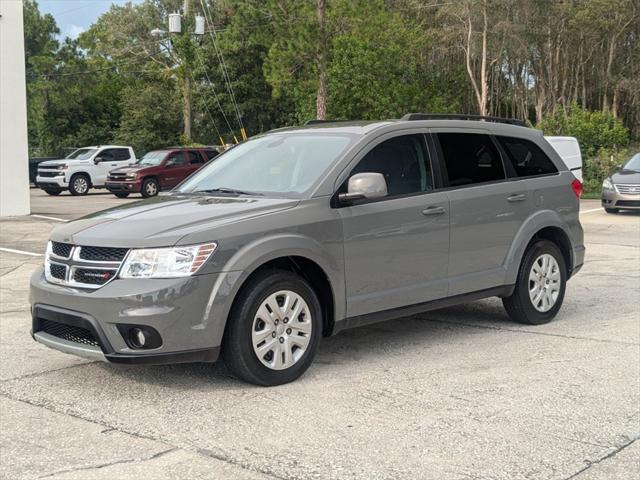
{"x": 540, "y": 285}
{"x": 150, "y": 188}
{"x": 53, "y": 192}
{"x": 121, "y": 194}
{"x": 611, "y": 210}
{"x": 274, "y": 329}
{"x": 79, "y": 184}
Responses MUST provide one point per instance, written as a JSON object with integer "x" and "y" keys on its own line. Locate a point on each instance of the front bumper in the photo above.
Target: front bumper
{"x": 130, "y": 187}
{"x": 91, "y": 324}
{"x": 614, "y": 199}
{"x": 52, "y": 182}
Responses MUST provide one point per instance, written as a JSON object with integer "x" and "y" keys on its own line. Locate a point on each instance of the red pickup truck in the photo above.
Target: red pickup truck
{"x": 158, "y": 170}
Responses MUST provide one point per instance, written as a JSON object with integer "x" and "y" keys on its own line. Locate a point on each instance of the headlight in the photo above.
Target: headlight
{"x": 131, "y": 176}
{"x": 166, "y": 262}
{"x": 63, "y": 167}
{"x": 607, "y": 185}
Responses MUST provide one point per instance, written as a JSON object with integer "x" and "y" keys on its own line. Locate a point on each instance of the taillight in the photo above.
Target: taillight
{"x": 576, "y": 186}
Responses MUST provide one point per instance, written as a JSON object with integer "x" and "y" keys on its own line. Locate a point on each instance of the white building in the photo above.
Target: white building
{"x": 14, "y": 163}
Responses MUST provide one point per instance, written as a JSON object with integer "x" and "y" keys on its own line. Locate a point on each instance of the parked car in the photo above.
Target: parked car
{"x": 303, "y": 232}
{"x": 83, "y": 169}
{"x": 621, "y": 191}
{"x": 569, "y": 151}
{"x": 158, "y": 170}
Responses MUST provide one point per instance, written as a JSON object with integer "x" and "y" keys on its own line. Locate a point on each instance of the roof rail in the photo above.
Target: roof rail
{"x": 313, "y": 121}
{"x": 461, "y": 116}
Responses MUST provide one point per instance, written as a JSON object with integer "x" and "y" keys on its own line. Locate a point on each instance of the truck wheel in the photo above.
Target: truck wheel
{"x": 149, "y": 188}
{"x": 121, "y": 194}
{"x": 540, "y": 285}
{"x": 52, "y": 192}
{"x": 79, "y": 184}
{"x": 273, "y": 330}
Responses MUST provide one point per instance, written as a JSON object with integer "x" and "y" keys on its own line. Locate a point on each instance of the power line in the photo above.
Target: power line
{"x": 211, "y": 116}
{"x": 212, "y": 32}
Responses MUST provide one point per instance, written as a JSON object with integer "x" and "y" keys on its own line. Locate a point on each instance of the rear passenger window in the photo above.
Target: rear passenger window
{"x": 470, "y": 158}
{"x": 210, "y": 154}
{"x": 403, "y": 162}
{"x": 121, "y": 154}
{"x": 194, "y": 157}
{"x": 527, "y": 158}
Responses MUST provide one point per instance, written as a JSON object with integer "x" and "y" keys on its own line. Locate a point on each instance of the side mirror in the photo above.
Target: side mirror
{"x": 619, "y": 166}
{"x": 97, "y": 160}
{"x": 367, "y": 186}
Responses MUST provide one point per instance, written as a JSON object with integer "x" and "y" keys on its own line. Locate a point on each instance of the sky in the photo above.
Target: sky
{"x": 75, "y": 16}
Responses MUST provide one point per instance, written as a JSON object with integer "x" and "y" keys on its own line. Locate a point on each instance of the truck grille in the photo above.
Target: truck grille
{"x": 68, "y": 332}
{"x": 82, "y": 266}
{"x": 117, "y": 176}
{"x": 628, "y": 188}
{"x": 45, "y": 174}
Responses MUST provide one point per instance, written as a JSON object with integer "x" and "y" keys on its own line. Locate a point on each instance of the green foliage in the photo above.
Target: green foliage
{"x": 595, "y": 169}
{"x": 594, "y": 130}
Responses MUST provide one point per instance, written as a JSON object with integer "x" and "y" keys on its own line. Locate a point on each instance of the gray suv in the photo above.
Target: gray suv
{"x": 303, "y": 232}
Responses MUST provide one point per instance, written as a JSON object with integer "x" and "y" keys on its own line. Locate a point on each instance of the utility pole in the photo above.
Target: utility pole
{"x": 186, "y": 89}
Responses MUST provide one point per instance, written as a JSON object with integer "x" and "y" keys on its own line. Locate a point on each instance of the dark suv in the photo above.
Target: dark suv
{"x": 158, "y": 170}
{"x": 303, "y": 232}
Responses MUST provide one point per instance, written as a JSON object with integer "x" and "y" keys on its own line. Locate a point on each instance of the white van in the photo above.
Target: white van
{"x": 569, "y": 151}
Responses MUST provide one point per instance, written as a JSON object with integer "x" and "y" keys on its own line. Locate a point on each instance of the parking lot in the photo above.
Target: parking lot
{"x": 458, "y": 393}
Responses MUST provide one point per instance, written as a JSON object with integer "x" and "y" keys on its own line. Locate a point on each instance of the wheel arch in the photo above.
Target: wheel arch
{"x": 83, "y": 173}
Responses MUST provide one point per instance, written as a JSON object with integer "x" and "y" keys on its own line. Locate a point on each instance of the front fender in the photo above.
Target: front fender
{"x": 255, "y": 254}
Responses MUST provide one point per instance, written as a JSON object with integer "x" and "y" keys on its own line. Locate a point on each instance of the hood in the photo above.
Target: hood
{"x": 626, "y": 176}
{"x": 133, "y": 168}
{"x": 162, "y": 221}
{"x": 64, "y": 161}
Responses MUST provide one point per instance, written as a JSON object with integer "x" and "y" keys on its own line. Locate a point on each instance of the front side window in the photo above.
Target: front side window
{"x": 470, "y": 158}
{"x": 278, "y": 164}
{"x": 194, "y": 157}
{"x": 526, "y": 157}
{"x": 403, "y": 162}
{"x": 107, "y": 155}
{"x": 82, "y": 154}
{"x": 175, "y": 159}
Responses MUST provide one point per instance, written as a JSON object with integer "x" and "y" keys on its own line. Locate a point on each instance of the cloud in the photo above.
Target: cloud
{"x": 73, "y": 31}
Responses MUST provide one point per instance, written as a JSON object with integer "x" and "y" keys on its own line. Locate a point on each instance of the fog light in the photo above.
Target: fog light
{"x": 138, "y": 338}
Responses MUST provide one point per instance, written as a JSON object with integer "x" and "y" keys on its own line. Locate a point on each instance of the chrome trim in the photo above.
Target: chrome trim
{"x": 50, "y": 253}
{"x": 85, "y": 351}
{"x": 627, "y": 188}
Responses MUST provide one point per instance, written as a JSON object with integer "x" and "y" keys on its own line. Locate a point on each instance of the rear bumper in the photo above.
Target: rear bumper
{"x": 613, "y": 199}
{"x": 129, "y": 187}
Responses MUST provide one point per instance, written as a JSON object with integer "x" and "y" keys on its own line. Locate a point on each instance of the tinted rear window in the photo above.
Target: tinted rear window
{"x": 470, "y": 158}
{"x": 527, "y": 158}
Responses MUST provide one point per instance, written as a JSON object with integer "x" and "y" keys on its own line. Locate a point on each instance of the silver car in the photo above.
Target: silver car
{"x": 621, "y": 191}
{"x": 303, "y": 232}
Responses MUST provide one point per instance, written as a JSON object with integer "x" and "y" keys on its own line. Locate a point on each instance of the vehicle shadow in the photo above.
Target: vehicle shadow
{"x": 342, "y": 352}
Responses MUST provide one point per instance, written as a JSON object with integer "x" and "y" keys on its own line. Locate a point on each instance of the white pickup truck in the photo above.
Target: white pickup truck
{"x": 83, "y": 169}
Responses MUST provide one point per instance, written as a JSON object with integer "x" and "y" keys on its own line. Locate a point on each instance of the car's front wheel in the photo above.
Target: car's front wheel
{"x": 540, "y": 285}
{"x": 274, "y": 329}
{"x": 150, "y": 188}
{"x": 79, "y": 184}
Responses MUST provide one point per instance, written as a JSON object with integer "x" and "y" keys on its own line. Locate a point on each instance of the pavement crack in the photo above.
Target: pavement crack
{"x": 614, "y": 452}
{"x": 109, "y": 464}
{"x": 45, "y": 372}
{"x": 546, "y": 334}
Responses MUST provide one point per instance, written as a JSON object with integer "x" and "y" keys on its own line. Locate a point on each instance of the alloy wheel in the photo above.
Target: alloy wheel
{"x": 544, "y": 282}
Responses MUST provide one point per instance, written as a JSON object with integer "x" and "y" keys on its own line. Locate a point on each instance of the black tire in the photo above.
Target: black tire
{"x": 121, "y": 194}
{"x": 150, "y": 187}
{"x": 237, "y": 349}
{"x": 611, "y": 210}
{"x": 519, "y": 306}
{"x": 52, "y": 192}
{"x": 79, "y": 184}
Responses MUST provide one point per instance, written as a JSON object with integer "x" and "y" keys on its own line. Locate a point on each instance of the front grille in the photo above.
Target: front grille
{"x": 103, "y": 254}
{"x": 49, "y": 174}
{"x": 117, "y": 176}
{"x": 61, "y": 249}
{"x": 628, "y": 189}
{"x": 94, "y": 276}
{"x": 628, "y": 203}
{"x": 58, "y": 271}
{"x": 68, "y": 332}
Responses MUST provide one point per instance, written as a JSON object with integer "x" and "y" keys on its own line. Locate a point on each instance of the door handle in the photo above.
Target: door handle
{"x": 520, "y": 197}
{"x": 114, "y": 164}
{"x": 433, "y": 210}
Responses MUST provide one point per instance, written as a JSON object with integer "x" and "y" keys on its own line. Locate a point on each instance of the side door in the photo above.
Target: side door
{"x": 106, "y": 162}
{"x": 396, "y": 248}
{"x": 487, "y": 209}
{"x": 173, "y": 170}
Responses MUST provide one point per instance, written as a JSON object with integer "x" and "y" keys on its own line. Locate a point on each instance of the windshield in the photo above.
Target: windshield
{"x": 82, "y": 154}
{"x": 633, "y": 163}
{"x": 152, "y": 158}
{"x": 286, "y": 164}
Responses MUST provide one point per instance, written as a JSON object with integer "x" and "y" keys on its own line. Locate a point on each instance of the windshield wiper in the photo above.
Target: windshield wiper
{"x": 232, "y": 191}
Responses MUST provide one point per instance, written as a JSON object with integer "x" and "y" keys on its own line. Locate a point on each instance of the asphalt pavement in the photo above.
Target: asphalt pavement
{"x": 458, "y": 393}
